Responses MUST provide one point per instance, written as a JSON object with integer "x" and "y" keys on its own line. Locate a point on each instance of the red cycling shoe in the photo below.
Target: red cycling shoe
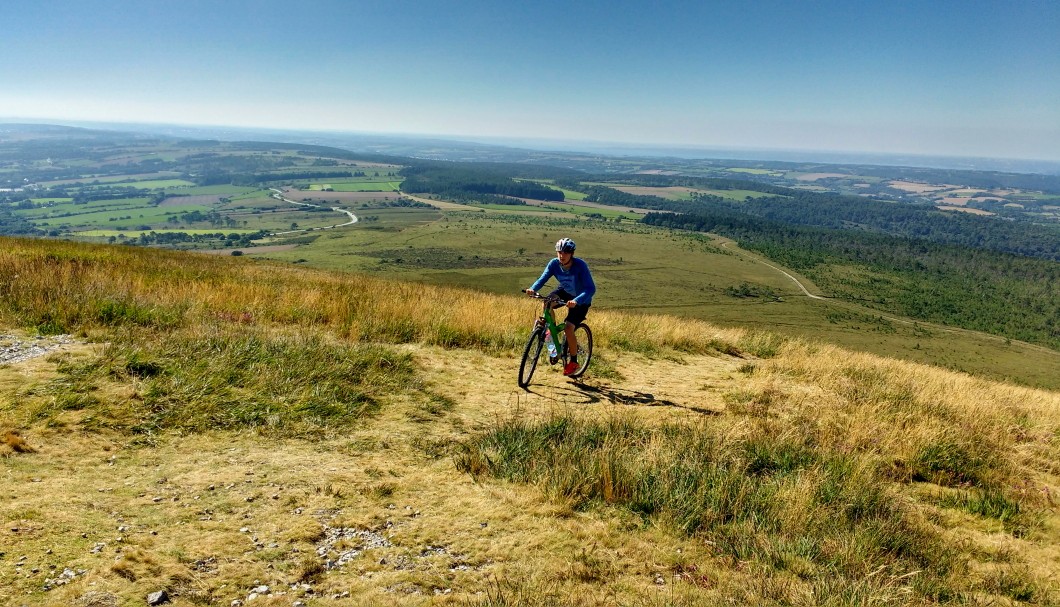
{"x": 571, "y": 367}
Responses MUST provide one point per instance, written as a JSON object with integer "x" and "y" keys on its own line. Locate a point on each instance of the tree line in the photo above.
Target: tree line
{"x": 980, "y": 289}
{"x": 472, "y": 183}
{"x": 835, "y": 211}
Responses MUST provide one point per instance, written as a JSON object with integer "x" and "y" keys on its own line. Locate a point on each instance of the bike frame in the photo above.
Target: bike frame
{"x": 550, "y": 322}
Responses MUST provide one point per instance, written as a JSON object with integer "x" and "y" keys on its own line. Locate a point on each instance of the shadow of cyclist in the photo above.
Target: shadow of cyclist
{"x": 595, "y": 393}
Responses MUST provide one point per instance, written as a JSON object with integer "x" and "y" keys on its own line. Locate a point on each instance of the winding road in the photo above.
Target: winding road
{"x": 278, "y": 195}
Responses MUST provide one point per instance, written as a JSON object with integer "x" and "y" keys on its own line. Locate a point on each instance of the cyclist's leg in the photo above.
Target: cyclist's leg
{"x": 560, "y": 294}
{"x": 575, "y": 316}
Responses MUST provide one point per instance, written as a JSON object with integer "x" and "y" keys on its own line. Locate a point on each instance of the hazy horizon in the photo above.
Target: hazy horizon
{"x": 382, "y": 143}
{"x": 972, "y": 79}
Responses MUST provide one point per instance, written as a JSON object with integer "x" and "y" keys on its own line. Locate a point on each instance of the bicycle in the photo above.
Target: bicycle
{"x": 547, "y": 329}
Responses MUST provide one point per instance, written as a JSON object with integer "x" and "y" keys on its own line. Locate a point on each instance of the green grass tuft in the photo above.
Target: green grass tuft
{"x": 760, "y": 498}
{"x": 280, "y": 384}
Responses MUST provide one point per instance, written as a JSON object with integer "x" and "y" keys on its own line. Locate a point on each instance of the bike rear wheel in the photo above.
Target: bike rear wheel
{"x": 584, "y": 337}
{"x": 531, "y": 354}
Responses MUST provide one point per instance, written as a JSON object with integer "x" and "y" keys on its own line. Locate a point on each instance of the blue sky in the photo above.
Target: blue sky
{"x": 973, "y": 78}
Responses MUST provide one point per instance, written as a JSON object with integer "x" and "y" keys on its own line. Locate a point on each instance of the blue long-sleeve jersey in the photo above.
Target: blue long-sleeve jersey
{"x": 577, "y": 280}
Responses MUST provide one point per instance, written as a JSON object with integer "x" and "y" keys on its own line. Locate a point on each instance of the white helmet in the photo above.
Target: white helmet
{"x": 565, "y": 245}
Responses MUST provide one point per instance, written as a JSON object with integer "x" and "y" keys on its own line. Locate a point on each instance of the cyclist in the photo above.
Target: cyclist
{"x": 575, "y": 285}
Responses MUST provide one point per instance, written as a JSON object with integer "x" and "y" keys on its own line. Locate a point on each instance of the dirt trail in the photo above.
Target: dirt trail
{"x": 730, "y": 245}
{"x": 485, "y": 386}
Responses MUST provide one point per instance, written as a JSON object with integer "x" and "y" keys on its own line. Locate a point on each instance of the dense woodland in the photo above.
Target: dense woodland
{"x": 999, "y": 293}
{"x": 826, "y": 210}
{"x": 471, "y": 183}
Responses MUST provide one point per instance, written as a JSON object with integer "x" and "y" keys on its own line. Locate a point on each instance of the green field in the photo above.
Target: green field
{"x": 208, "y": 190}
{"x": 604, "y": 212}
{"x": 737, "y": 195}
{"x": 134, "y": 233}
{"x": 567, "y": 194}
{"x": 571, "y": 194}
{"x": 154, "y": 184}
{"x": 679, "y": 193}
{"x": 513, "y": 208}
{"x": 132, "y": 179}
{"x": 70, "y": 209}
{"x": 127, "y": 217}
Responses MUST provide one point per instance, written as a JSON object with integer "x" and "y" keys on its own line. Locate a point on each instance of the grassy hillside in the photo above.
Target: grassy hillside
{"x": 224, "y": 429}
{"x": 654, "y": 270}
{"x": 226, "y": 197}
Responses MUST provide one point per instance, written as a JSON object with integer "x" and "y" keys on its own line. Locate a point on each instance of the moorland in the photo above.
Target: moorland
{"x": 801, "y": 396}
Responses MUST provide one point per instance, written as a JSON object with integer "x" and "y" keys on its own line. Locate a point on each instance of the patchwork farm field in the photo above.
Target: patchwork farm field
{"x": 118, "y": 213}
{"x": 137, "y": 233}
{"x": 130, "y": 179}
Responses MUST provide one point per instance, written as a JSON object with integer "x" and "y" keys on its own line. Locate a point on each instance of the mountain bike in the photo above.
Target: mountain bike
{"x": 547, "y": 331}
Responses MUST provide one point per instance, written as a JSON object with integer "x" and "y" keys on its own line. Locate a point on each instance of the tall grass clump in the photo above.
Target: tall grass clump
{"x": 931, "y": 425}
{"x": 652, "y": 335}
{"x": 281, "y": 384}
{"x": 758, "y": 494}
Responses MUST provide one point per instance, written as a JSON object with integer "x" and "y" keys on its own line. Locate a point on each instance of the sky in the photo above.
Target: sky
{"x": 962, "y": 78}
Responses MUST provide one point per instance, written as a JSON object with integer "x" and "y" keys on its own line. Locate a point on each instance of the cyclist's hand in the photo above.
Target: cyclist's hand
{"x": 571, "y": 303}
{"x": 531, "y": 292}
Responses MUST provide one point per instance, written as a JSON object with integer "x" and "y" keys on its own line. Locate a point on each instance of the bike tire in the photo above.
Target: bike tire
{"x": 531, "y": 354}
{"x": 584, "y": 336}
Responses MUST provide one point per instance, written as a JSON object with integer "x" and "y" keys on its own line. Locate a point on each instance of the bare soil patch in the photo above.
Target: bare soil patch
{"x": 816, "y": 176}
{"x": 670, "y": 193}
{"x": 916, "y": 187}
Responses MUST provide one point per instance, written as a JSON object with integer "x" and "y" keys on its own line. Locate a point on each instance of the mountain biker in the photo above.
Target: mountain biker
{"x": 576, "y": 286}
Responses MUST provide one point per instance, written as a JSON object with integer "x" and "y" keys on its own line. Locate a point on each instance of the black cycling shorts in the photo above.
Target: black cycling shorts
{"x": 575, "y": 315}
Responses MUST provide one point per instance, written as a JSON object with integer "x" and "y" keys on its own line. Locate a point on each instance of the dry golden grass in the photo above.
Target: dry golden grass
{"x": 210, "y": 516}
{"x": 897, "y": 407}
{"x": 202, "y": 512}
{"x": 14, "y": 443}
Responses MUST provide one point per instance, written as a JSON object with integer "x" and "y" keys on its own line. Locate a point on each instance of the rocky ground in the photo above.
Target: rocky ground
{"x": 16, "y": 349}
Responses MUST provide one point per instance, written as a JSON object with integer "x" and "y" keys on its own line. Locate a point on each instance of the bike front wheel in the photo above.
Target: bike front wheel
{"x": 584, "y": 338}
{"x": 531, "y": 354}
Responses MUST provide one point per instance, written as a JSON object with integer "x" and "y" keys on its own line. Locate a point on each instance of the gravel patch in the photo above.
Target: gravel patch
{"x": 14, "y": 349}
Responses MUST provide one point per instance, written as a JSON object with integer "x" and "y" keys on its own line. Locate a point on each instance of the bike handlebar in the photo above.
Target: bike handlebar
{"x": 540, "y": 296}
